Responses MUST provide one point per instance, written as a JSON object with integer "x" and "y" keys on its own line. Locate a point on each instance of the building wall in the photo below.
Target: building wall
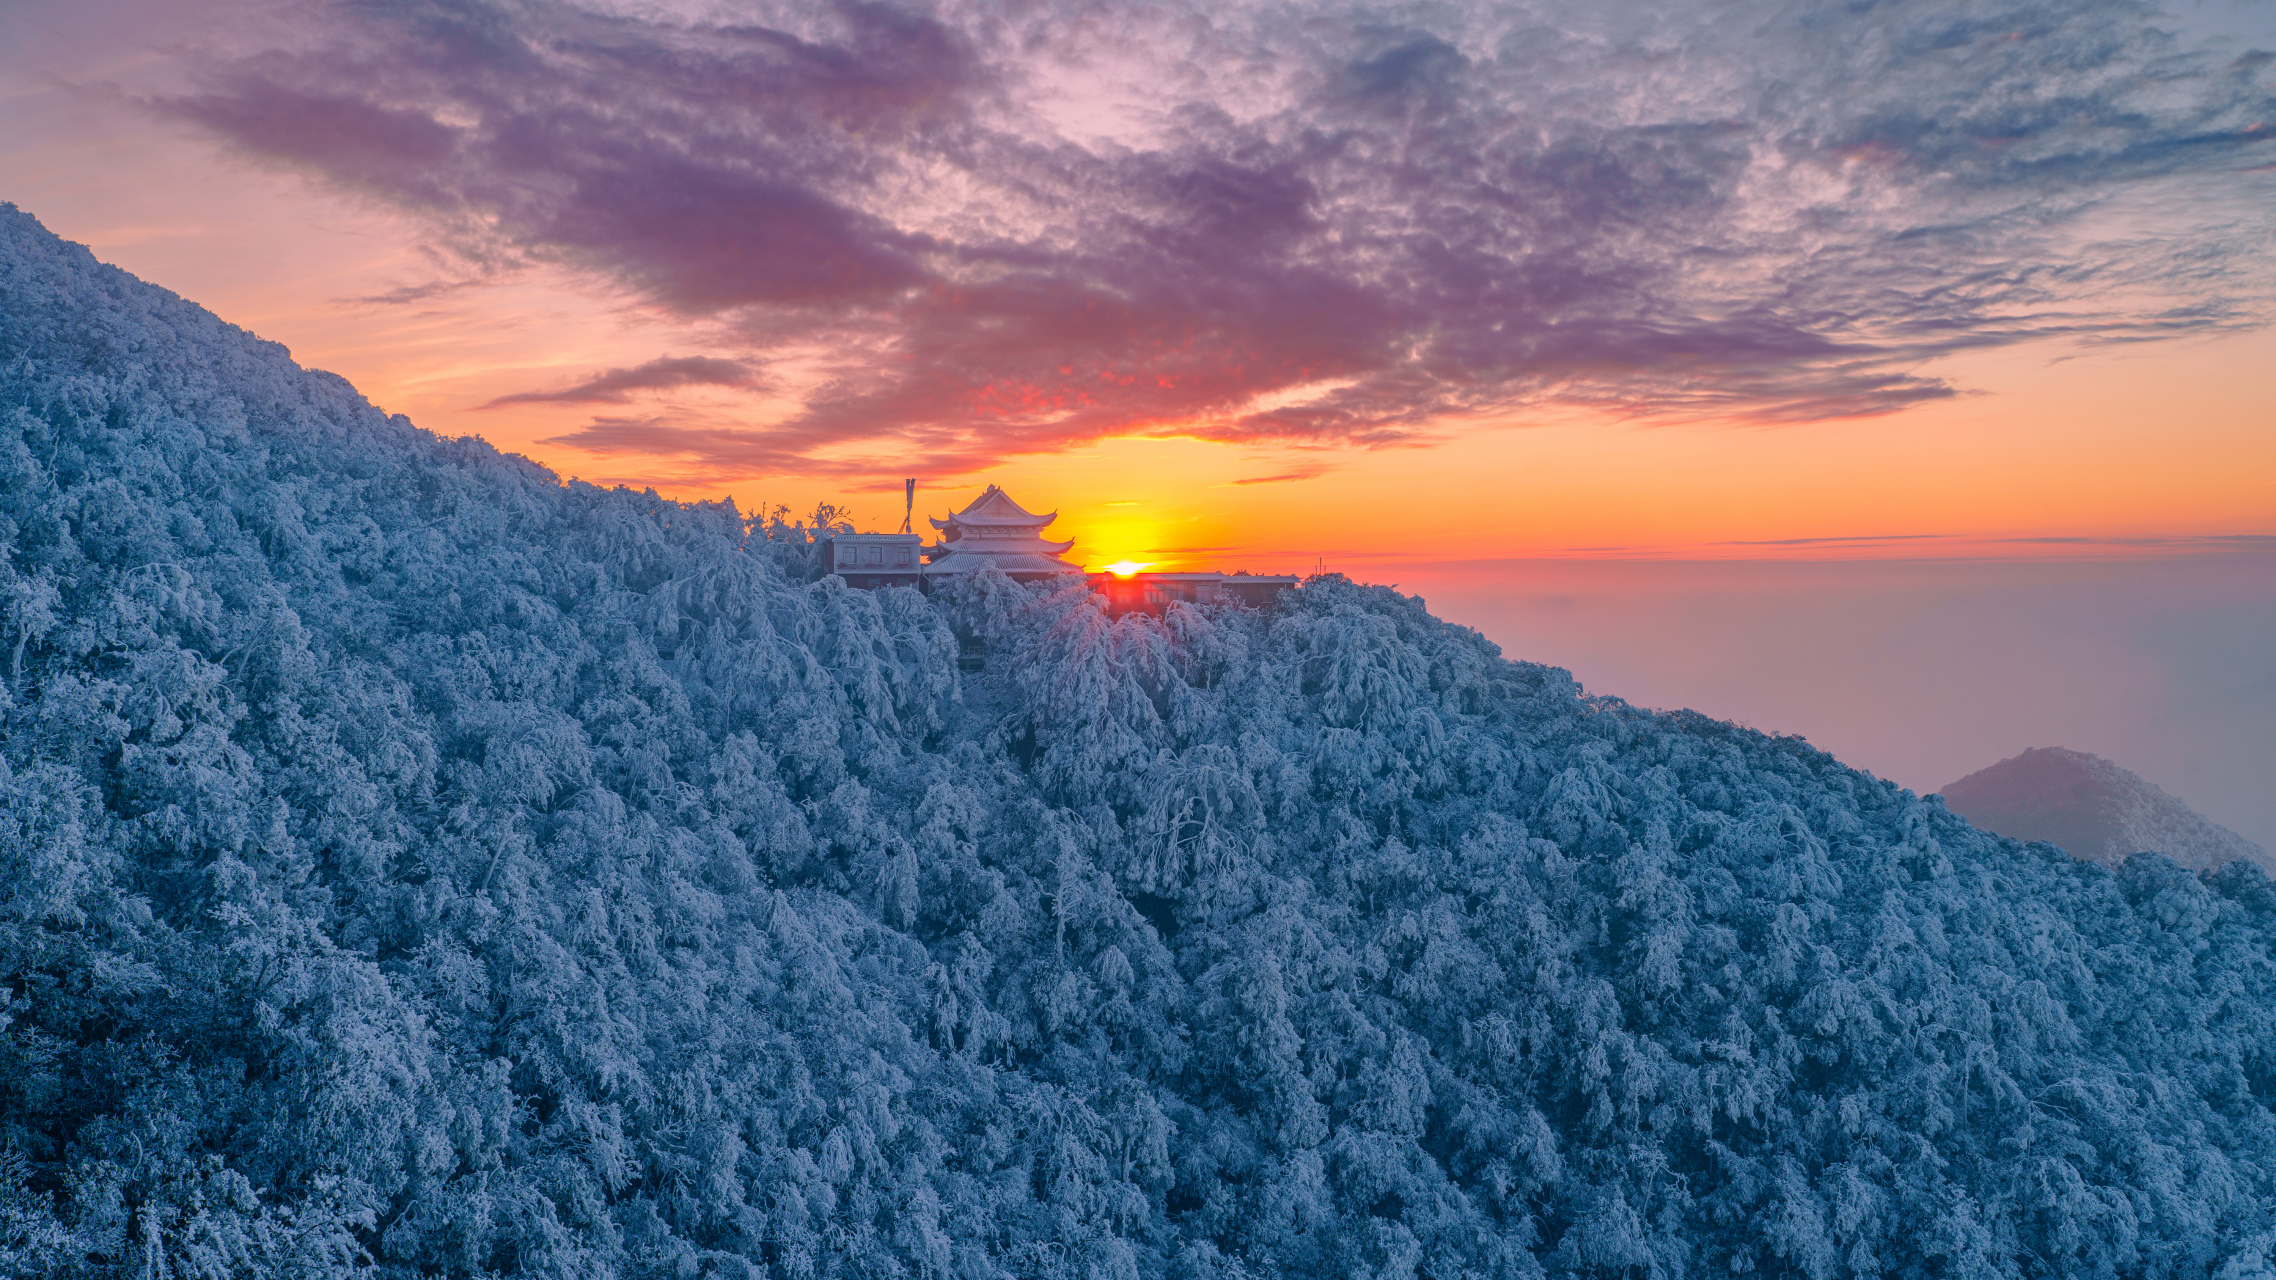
{"x": 894, "y": 555}
{"x": 1152, "y": 593}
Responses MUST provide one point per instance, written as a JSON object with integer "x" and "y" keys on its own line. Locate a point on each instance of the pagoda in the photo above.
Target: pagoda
{"x": 996, "y": 530}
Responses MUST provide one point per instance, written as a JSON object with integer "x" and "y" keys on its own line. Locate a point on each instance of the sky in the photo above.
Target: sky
{"x": 1899, "y": 374}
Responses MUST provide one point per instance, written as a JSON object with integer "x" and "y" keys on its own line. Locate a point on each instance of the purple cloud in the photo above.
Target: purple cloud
{"x": 1012, "y": 232}
{"x": 665, "y": 374}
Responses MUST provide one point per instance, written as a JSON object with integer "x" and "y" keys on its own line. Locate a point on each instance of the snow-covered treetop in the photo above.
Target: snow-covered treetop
{"x": 412, "y": 865}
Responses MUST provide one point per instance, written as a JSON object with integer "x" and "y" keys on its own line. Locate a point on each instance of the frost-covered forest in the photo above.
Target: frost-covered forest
{"x": 413, "y": 866}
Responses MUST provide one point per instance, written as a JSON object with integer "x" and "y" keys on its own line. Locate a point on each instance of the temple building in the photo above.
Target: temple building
{"x": 996, "y": 530}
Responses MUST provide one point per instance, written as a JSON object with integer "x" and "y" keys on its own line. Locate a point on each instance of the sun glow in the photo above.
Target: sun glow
{"x": 1124, "y": 568}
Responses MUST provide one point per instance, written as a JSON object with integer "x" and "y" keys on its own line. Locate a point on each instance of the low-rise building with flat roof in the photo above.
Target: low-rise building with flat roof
{"x": 875, "y": 559}
{"x": 1145, "y": 592}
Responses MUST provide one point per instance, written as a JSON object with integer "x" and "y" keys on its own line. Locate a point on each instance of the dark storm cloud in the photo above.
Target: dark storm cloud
{"x": 667, "y": 373}
{"x": 1302, "y": 225}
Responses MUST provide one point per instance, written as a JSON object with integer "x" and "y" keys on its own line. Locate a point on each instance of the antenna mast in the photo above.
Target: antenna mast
{"x": 909, "y": 498}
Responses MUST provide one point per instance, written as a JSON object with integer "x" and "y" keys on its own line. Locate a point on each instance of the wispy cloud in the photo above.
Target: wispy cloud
{"x": 410, "y": 294}
{"x": 669, "y": 373}
{"x": 1011, "y": 231}
{"x": 1949, "y": 546}
{"x": 2185, "y": 542}
{"x": 1859, "y": 539}
{"x": 1309, "y": 472}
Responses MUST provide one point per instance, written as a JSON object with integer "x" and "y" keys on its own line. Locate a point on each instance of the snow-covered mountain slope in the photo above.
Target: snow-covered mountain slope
{"x": 2093, "y": 809}
{"x": 411, "y": 865}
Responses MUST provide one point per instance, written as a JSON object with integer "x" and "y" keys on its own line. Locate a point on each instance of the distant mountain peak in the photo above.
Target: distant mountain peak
{"x": 2093, "y": 809}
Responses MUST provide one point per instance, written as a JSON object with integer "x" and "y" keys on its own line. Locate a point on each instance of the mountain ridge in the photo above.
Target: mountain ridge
{"x": 2094, "y": 809}
{"x": 413, "y": 865}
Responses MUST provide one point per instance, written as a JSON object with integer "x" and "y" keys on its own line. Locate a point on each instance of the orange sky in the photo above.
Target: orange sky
{"x": 2157, "y": 441}
{"x": 2133, "y": 447}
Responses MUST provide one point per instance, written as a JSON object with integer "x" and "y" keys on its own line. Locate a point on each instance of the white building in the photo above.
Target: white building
{"x": 1144, "y": 592}
{"x": 996, "y": 530}
{"x": 875, "y": 559}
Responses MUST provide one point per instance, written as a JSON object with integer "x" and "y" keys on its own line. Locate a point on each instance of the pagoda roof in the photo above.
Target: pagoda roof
{"x": 995, "y": 509}
{"x": 961, "y": 560}
{"x": 996, "y": 530}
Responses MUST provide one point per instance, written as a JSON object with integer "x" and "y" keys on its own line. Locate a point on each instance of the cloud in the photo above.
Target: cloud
{"x": 988, "y": 232}
{"x": 411, "y": 293}
{"x": 1949, "y": 545}
{"x": 2199, "y": 542}
{"x": 1284, "y": 477}
{"x": 667, "y": 373}
{"x": 1858, "y": 539}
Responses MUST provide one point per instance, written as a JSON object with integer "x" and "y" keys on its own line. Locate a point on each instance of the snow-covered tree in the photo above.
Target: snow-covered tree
{"x": 411, "y": 865}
